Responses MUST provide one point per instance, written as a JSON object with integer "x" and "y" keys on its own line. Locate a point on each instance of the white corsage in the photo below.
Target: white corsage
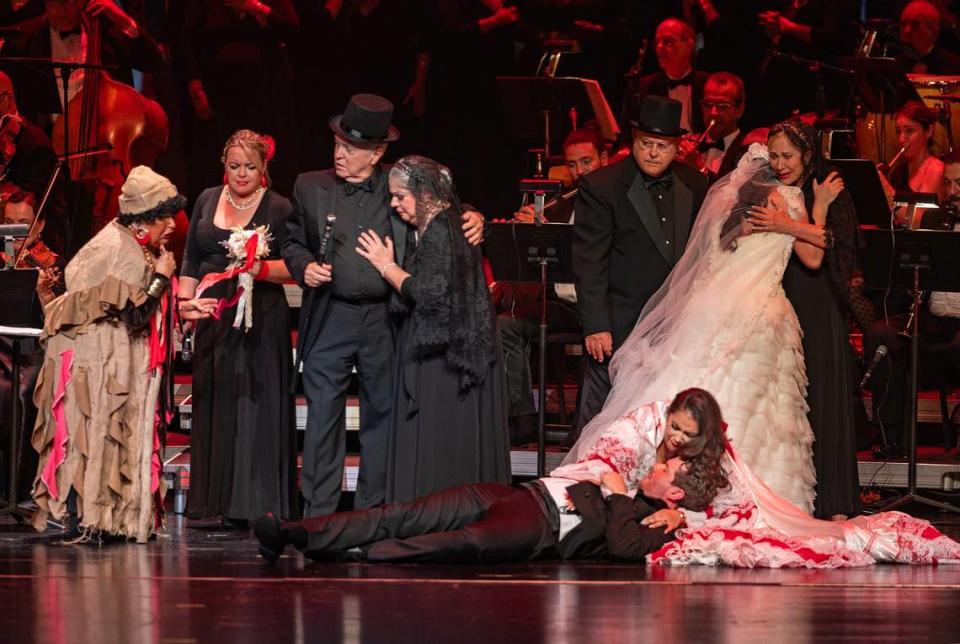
{"x": 237, "y": 250}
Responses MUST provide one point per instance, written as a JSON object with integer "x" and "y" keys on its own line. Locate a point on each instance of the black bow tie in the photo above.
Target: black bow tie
{"x": 353, "y": 188}
{"x": 663, "y": 182}
{"x": 686, "y": 80}
{"x": 719, "y": 144}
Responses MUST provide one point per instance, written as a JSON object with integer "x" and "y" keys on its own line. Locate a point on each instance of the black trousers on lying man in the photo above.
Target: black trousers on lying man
{"x": 492, "y": 522}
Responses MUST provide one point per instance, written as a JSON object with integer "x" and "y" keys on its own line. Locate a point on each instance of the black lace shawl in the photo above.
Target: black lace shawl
{"x": 449, "y": 302}
{"x": 843, "y": 240}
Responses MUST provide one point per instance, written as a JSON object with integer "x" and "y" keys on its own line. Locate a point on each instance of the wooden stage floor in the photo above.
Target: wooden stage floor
{"x": 201, "y": 583}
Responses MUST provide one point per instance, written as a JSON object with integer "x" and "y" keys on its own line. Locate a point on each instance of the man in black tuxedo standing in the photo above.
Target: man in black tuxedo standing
{"x": 344, "y": 321}
{"x": 633, "y": 221}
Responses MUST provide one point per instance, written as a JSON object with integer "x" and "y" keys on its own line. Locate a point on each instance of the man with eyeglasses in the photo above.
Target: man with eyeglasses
{"x": 674, "y": 43}
{"x": 724, "y": 101}
{"x": 633, "y": 220}
{"x": 919, "y": 32}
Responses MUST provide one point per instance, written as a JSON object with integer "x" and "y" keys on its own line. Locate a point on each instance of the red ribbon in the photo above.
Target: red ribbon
{"x": 212, "y": 278}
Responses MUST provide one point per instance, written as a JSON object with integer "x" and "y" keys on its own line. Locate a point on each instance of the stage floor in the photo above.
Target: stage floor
{"x": 201, "y": 583}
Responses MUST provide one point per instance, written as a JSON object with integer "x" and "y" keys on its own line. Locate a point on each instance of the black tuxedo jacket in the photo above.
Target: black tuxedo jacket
{"x": 610, "y": 528}
{"x": 313, "y": 197}
{"x": 620, "y": 254}
{"x": 731, "y": 157}
{"x": 657, "y": 85}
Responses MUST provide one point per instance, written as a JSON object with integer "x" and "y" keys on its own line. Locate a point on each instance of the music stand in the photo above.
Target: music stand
{"x": 863, "y": 183}
{"x": 883, "y": 85}
{"x": 915, "y": 261}
{"x": 541, "y": 253}
{"x": 18, "y": 290}
{"x": 539, "y": 107}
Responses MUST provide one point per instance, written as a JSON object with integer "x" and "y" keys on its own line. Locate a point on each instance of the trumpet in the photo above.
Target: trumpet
{"x": 700, "y": 139}
{"x": 706, "y": 132}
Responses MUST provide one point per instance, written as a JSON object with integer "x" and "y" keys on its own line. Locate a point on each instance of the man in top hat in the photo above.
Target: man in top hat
{"x": 344, "y": 321}
{"x": 633, "y": 220}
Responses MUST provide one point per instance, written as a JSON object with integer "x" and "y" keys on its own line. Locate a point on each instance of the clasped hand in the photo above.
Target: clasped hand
{"x": 766, "y": 219}
{"x": 378, "y": 252}
{"x": 827, "y": 191}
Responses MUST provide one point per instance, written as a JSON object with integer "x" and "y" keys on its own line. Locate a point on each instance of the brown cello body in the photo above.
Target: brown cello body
{"x": 112, "y": 128}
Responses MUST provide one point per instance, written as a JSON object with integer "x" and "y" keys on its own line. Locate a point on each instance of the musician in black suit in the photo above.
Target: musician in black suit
{"x": 344, "y": 320}
{"x": 723, "y": 103}
{"x": 633, "y": 220}
{"x": 492, "y": 522}
{"x": 59, "y": 35}
{"x": 677, "y": 79}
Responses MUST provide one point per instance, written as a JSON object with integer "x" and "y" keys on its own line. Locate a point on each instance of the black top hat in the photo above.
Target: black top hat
{"x": 656, "y": 115}
{"x": 366, "y": 120}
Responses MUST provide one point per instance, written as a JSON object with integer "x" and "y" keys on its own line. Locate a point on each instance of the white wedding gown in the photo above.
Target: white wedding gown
{"x": 722, "y": 322}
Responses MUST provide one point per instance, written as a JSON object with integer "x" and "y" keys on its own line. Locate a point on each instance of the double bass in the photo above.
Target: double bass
{"x": 111, "y": 129}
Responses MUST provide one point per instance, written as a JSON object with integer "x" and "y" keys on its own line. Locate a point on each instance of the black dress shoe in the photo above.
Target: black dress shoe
{"x": 234, "y": 524}
{"x": 271, "y": 536}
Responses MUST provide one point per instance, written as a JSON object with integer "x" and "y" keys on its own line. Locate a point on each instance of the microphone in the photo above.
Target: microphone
{"x": 325, "y": 239}
{"x": 769, "y": 54}
{"x": 877, "y": 356}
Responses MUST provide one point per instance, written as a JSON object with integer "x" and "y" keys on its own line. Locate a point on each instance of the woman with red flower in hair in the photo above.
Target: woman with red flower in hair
{"x": 243, "y": 459}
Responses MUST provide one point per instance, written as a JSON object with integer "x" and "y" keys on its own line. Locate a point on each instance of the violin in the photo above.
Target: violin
{"x": 38, "y": 255}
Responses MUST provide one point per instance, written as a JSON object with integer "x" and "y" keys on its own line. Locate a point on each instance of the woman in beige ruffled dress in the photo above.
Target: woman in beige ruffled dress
{"x": 101, "y": 399}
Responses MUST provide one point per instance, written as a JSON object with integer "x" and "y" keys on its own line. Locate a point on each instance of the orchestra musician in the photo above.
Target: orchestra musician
{"x": 717, "y": 149}
{"x": 20, "y": 208}
{"x": 60, "y": 35}
{"x": 584, "y": 151}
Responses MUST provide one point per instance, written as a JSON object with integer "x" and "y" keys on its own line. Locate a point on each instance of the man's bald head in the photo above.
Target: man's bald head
{"x": 920, "y": 25}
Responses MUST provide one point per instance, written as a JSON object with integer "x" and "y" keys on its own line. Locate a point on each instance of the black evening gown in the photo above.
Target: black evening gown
{"x": 243, "y": 451}
{"x": 440, "y": 436}
{"x": 828, "y": 358}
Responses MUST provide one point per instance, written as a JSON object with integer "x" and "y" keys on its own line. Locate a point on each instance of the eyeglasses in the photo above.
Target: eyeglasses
{"x": 720, "y": 107}
{"x": 658, "y": 144}
{"x": 667, "y": 42}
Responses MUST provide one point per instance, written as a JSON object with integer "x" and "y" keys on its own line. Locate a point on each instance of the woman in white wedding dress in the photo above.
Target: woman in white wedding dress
{"x": 722, "y": 322}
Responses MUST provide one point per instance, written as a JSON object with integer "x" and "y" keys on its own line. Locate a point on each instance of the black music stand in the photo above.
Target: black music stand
{"x": 863, "y": 183}
{"x": 533, "y": 253}
{"x": 883, "y": 85}
{"x": 18, "y": 291}
{"x": 540, "y": 107}
{"x": 915, "y": 261}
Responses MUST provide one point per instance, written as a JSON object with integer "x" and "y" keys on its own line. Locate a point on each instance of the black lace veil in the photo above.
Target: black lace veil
{"x": 461, "y": 318}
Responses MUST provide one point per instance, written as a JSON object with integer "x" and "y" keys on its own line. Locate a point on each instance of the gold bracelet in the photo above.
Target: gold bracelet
{"x": 157, "y": 285}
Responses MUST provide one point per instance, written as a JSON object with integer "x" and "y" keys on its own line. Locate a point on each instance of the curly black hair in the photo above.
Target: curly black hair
{"x": 162, "y": 210}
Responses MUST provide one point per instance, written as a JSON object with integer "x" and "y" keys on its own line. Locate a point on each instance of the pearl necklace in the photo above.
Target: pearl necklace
{"x": 244, "y": 205}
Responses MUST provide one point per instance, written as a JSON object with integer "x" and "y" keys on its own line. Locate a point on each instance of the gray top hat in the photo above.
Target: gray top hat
{"x": 366, "y": 120}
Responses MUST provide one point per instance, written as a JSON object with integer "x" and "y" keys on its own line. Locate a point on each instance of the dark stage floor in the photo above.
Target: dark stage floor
{"x": 202, "y": 583}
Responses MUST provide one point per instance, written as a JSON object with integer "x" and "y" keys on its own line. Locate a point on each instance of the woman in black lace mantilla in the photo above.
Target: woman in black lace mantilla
{"x": 449, "y": 413}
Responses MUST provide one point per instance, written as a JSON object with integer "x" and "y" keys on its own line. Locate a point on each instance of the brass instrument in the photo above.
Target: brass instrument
{"x": 885, "y": 168}
{"x": 700, "y": 139}
{"x": 706, "y": 132}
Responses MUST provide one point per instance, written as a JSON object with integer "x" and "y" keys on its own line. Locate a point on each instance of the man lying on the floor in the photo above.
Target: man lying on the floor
{"x": 492, "y": 522}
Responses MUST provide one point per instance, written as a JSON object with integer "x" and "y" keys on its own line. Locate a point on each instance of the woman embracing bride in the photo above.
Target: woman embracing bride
{"x": 722, "y": 322}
